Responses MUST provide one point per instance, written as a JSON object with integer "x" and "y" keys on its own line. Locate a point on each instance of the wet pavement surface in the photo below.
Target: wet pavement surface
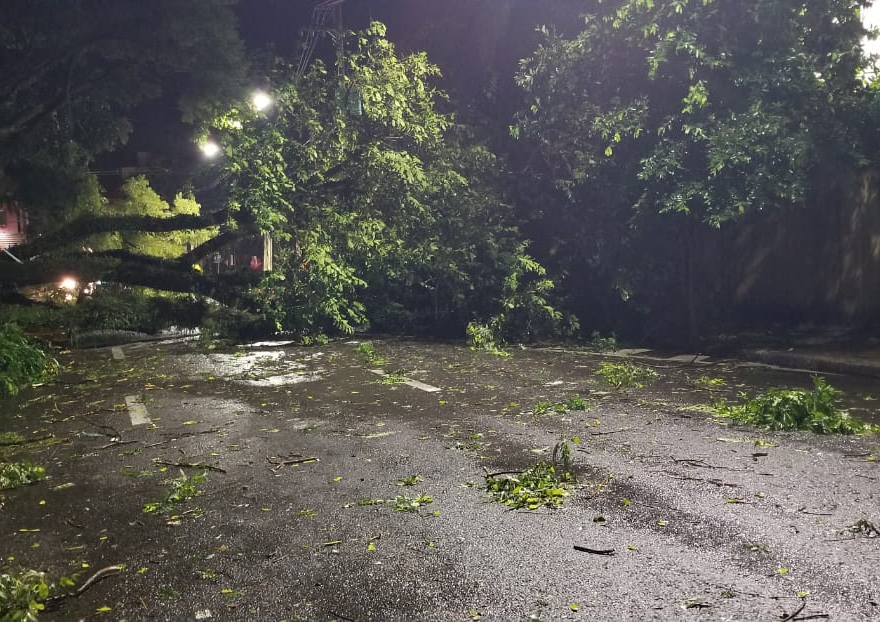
{"x": 707, "y": 520}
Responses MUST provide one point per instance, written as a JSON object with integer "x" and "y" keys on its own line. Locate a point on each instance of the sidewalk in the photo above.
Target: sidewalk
{"x": 859, "y": 361}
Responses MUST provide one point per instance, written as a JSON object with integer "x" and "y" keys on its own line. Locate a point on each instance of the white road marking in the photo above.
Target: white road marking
{"x": 117, "y": 352}
{"x": 137, "y": 412}
{"x": 412, "y": 383}
{"x": 421, "y": 385}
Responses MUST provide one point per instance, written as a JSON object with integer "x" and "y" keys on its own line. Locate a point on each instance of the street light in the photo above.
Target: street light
{"x": 210, "y": 149}
{"x": 261, "y": 100}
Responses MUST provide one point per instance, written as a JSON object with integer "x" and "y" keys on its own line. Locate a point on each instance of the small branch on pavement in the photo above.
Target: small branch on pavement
{"x": 278, "y": 464}
{"x": 502, "y": 473}
{"x": 190, "y": 465}
{"x": 803, "y": 510}
{"x": 792, "y": 616}
{"x": 711, "y": 480}
{"x": 611, "y": 432}
{"x": 117, "y": 444}
{"x": 27, "y": 441}
{"x": 584, "y": 549}
{"x": 696, "y": 462}
{"x": 103, "y": 573}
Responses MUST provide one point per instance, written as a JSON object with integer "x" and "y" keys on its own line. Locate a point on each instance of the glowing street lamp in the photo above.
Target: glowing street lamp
{"x": 210, "y": 149}
{"x": 261, "y": 100}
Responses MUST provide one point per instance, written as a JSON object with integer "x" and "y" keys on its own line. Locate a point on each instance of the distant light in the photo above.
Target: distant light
{"x": 210, "y": 149}
{"x": 68, "y": 283}
{"x": 261, "y": 100}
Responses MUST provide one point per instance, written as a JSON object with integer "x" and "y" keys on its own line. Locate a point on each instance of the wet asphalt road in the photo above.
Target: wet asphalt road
{"x": 706, "y": 521}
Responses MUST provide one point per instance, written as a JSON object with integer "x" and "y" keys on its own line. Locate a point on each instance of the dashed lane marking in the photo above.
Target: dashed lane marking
{"x": 412, "y": 383}
{"x": 137, "y": 412}
{"x": 117, "y": 352}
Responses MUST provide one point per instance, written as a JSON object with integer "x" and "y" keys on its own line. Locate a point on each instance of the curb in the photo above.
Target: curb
{"x": 816, "y": 362}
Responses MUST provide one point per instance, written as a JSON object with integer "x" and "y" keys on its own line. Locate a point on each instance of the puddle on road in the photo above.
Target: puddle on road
{"x": 284, "y": 379}
{"x": 256, "y": 368}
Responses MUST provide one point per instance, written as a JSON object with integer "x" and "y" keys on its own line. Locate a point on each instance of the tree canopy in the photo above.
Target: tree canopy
{"x": 75, "y": 69}
{"x": 383, "y": 209}
{"x": 700, "y": 110}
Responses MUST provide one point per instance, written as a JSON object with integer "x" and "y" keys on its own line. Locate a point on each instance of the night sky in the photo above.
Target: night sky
{"x": 475, "y": 43}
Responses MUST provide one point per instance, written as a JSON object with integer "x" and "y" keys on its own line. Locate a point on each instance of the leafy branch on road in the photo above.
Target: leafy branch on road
{"x": 626, "y": 375}
{"x": 15, "y": 474}
{"x": 181, "y": 489}
{"x": 395, "y": 376}
{"x": 543, "y": 484}
{"x": 575, "y": 402}
{"x": 26, "y": 593}
{"x": 370, "y": 355}
{"x": 21, "y": 361}
{"x": 797, "y": 409}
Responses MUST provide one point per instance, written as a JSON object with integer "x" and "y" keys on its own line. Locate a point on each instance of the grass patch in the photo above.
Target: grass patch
{"x": 814, "y": 410}
{"x": 626, "y": 375}
{"x": 21, "y": 361}
{"x": 543, "y": 484}
{"x": 16, "y": 474}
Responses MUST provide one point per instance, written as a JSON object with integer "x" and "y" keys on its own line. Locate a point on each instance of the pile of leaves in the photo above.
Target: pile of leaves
{"x": 543, "y": 484}
{"x": 797, "y": 409}
{"x": 21, "y": 361}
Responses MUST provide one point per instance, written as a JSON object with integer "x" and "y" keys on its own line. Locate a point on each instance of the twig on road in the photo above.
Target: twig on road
{"x": 291, "y": 461}
{"x": 117, "y": 444}
{"x": 103, "y": 573}
{"x": 27, "y": 441}
{"x": 711, "y": 480}
{"x": 501, "y": 473}
{"x": 190, "y": 465}
{"x": 584, "y": 549}
{"x": 792, "y": 616}
{"x": 612, "y": 431}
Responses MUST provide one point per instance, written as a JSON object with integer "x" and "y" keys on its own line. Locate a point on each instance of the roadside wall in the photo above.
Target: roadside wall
{"x": 811, "y": 264}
